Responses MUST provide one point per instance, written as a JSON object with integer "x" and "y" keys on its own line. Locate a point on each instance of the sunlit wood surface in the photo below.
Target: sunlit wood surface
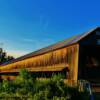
{"x": 52, "y": 61}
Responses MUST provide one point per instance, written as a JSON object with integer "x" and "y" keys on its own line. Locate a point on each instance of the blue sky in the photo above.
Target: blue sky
{"x": 27, "y": 25}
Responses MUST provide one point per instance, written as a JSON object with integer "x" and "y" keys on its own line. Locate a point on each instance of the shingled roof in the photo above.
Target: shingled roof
{"x": 61, "y": 44}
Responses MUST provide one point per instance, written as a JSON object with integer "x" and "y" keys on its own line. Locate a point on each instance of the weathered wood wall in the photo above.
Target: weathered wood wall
{"x": 61, "y": 57}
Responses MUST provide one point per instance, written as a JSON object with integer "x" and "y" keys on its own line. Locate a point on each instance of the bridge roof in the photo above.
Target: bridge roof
{"x": 61, "y": 44}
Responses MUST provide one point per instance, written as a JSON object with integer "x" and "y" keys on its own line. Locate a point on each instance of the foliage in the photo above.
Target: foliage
{"x": 4, "y": 57}
{"x": 28, "y": 88}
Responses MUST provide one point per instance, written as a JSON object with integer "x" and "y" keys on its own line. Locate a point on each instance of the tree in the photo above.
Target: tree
{"x": 4, "y": 57}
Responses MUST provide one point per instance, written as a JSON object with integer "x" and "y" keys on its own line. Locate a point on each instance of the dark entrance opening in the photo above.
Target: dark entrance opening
{"x": 89, "y": 63}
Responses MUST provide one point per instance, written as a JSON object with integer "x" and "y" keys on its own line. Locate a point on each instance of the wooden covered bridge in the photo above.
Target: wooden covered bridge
{"x": 77, "y": 58}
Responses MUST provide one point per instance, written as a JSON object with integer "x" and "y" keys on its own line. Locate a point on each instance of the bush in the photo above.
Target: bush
{"x": 24, "y": 83}
{"x": 24, "y": 86}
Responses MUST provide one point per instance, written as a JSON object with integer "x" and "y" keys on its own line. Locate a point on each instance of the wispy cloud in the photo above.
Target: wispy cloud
{"x": 28, "y": 40}
{"x": 16, "y": 53}
{"x": 29, "y": 45}
{"x": 44, "y": 22}
{"x": 37, "y": 43}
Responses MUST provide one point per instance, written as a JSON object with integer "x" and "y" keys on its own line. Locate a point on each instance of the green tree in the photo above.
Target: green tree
{"x": 3, "y": 56}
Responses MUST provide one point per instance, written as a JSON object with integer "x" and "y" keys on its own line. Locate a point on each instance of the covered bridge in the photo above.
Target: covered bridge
{"x": 76, "y": 58}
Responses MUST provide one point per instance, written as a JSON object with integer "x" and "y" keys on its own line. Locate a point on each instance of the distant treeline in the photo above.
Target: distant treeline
{"x": 4, "y": 57}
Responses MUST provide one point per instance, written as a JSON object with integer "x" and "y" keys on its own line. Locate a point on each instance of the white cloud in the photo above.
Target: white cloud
{"x": 28, "y": 40}
{"x": 16, "y": 53}
{"x": 31, "y": 45}
{"x": 44, "y": 23}
{"x": 37, "y": 43}
{"x": 26, "y": 45}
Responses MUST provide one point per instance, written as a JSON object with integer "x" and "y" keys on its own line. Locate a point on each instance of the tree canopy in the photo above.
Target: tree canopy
{"x": 4, "y": 57}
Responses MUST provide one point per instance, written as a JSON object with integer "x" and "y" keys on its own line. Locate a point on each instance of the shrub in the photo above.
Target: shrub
{"x": 24, "y": 82}
{"x": 24, "y": 86}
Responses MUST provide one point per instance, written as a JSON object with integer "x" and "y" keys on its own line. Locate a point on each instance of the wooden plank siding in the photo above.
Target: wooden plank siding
{"x": 63, "y": 58}
{"x": 75, "y": 58}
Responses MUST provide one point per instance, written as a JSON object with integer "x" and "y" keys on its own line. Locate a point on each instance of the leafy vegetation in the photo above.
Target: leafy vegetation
{"x": 24, "y": 87}
{"x": 4, "y": 57}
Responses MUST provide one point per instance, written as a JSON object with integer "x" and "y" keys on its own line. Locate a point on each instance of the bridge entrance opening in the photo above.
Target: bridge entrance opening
{"x": 89, "y": 63}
